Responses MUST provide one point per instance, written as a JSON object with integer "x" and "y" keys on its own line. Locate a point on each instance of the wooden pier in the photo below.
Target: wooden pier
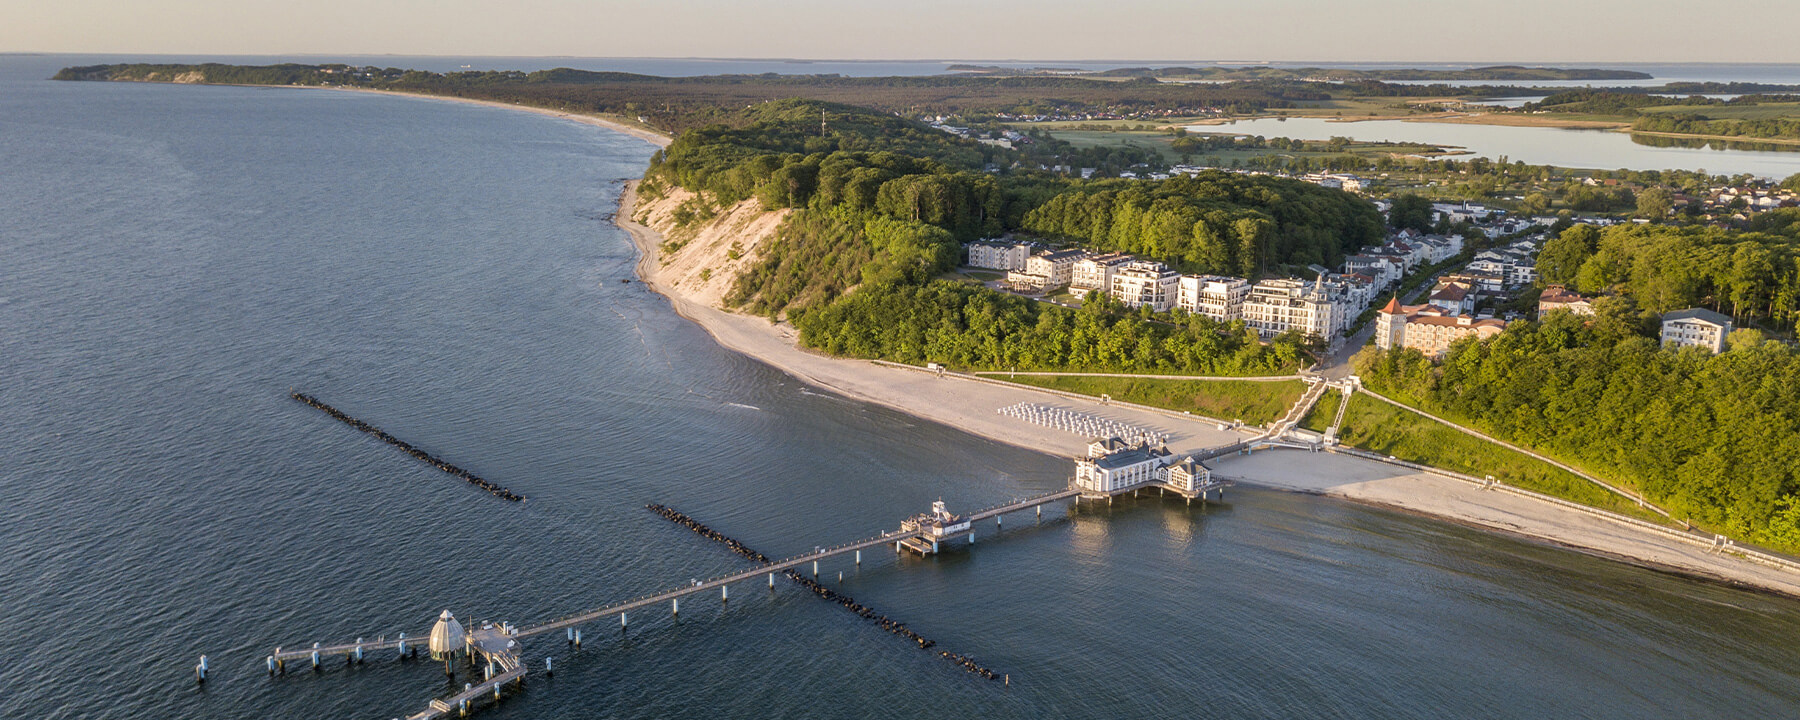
{"x": 498, "y": 644}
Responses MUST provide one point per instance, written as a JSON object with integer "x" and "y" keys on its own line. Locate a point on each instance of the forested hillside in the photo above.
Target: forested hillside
{"x": 1214, "y": 222}
{"x": 1712, "y": 438}
{"x": 885, "y": 201}
{"x": 1659, "y": 268}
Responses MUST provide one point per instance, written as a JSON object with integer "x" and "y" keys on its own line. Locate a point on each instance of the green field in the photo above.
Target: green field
{"x": 1250, "y": 401}
{"x": 1323, "y": 412}
{"x": 1378, "y": 427}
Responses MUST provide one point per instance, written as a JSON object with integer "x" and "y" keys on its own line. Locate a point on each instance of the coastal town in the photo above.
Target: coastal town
{"x": 1334, "y": 304}
{"x": 1392, "y": 384}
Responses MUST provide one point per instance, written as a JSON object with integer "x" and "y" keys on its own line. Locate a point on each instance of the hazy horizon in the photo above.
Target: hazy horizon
{"x": 1532, "y": 32}
{"x": 1047, "y": 63}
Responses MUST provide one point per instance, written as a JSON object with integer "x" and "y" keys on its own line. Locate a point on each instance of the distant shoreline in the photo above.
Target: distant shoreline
{"x": 653, "y": 137}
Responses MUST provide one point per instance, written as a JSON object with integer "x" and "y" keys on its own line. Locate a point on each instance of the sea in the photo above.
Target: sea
{"x": 178, "y": 259}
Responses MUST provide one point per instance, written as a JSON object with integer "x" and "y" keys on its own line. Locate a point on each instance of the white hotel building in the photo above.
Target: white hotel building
{"x": 1146, "y": 283}
{"x": 1095, "y": 272}
{"x": 1217, "y": 297}
{"x": 998, "y": 256}
{"x": 1277, "y": 306}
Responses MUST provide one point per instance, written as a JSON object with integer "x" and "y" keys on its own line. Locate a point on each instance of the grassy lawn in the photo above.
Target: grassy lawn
{"x": 1323, "y": 412}
{"x": 1376, "y": 426}
{"x": 1252, "y": 402}
{"x": 1157, "y": 142}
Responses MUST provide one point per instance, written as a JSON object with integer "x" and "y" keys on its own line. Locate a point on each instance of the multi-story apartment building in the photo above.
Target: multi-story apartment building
{"x": 1044, "y": 271}
{"x": 1146, "y": 283}
{"x": 998, "y": 255}
{"x": 1095, "y": 272}
{"x": 1217, "y": 297}
{"x": 1697, "y": 327}
{"x": 1277, "y": 306}
{"x": 1428, "y": 328}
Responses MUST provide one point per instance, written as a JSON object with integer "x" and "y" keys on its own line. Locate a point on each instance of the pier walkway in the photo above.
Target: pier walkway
{"x": 354, "y": 651}
{"x": 456, "y": 703}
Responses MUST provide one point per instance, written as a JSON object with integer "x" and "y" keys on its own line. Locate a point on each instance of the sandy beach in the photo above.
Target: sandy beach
{"x": 649, "y": 136}
{"x": 972, "y": 406}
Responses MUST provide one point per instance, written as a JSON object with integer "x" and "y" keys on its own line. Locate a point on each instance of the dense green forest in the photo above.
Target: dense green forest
{"x": 1658, "y": 268}
{"x": 972, "y": 327}
{"x": 1213, "y": 222}
{"x": 1712, "y": 438}
{"x": 1697, "y": 124}
{"x": 879, "y": 198}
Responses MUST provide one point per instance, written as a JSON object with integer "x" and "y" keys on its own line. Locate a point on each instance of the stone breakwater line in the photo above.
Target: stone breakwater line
{"x": 434, "y": 461}
{"x": 848, "y": 603}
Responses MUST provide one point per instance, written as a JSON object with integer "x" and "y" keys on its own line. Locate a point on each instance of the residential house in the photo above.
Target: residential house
{"x": 1557, "y": 297}
{"x": 1697, "y": 327}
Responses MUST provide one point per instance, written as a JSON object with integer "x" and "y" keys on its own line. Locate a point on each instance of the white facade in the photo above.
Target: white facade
{"x": 1146, "y": 283}
{"x": 1217, "y": 297}
{"x": 1045, "y": 271}
{"x": 1277, "y": 306}
{"x": 1120, "y": 470}
{"x": 1095, "y": 272}
{"x": 1188, "y": 476}
{"x": 1696, "y": 327}
{"x": 998, "y": 256}
{"x": 1384, "y": 269}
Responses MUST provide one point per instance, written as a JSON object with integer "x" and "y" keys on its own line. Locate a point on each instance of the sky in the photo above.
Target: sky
{"x": 1539, "y": 31}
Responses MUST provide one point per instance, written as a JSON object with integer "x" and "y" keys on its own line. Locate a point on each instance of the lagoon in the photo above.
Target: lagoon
{"x": 1597, "y": 149}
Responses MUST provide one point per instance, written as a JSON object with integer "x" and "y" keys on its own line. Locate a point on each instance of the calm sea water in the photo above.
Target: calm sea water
{"x": 178, "y": 258}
